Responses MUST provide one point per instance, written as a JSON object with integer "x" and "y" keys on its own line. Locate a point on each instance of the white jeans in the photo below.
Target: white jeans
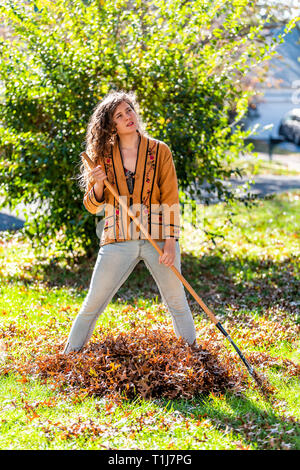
{"x": 114, "y": 264}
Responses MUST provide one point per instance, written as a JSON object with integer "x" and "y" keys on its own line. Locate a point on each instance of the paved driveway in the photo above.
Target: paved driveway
{"x": 268, "y": 184}
{"x": 14, "y": 219}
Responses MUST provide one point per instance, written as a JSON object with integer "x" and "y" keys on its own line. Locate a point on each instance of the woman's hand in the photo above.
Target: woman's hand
{"x": 98, "y": 174}
{"x": 169, "y": 252}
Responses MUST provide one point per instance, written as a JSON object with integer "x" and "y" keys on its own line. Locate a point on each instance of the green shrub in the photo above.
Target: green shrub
{"x": 184, "y": 60}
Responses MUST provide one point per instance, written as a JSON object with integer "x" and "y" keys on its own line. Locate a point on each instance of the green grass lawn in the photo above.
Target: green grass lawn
{"x": 249, "y": 278}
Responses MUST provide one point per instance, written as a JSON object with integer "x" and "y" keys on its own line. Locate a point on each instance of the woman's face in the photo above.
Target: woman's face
{"x": 125, "y": 119}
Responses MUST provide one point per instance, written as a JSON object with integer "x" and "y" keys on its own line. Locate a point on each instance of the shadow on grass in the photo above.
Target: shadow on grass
{"x": 245, "y": 421}
{"x": 243, "y": 283}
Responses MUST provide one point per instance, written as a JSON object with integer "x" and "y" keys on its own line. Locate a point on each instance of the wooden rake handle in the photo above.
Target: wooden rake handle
{"x": 153, "y": 243}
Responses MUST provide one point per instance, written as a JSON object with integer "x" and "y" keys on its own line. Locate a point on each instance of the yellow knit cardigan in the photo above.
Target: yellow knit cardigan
{"x": 154, "y": 201}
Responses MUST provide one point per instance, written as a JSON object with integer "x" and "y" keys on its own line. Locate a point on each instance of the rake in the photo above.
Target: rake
{"x": 209, "y": 313}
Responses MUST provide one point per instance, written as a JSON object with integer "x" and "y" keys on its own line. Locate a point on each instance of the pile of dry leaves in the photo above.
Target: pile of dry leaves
{"x": 149, "y": 363}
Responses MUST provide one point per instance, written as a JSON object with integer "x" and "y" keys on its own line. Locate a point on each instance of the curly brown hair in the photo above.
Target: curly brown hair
{"x": 101, "y": 133}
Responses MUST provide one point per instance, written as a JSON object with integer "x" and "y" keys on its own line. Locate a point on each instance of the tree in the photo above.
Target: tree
{"x": 184, "y": 59}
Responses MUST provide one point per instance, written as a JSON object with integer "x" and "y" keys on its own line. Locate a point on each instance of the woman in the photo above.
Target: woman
{"x": 142, "y": 171}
